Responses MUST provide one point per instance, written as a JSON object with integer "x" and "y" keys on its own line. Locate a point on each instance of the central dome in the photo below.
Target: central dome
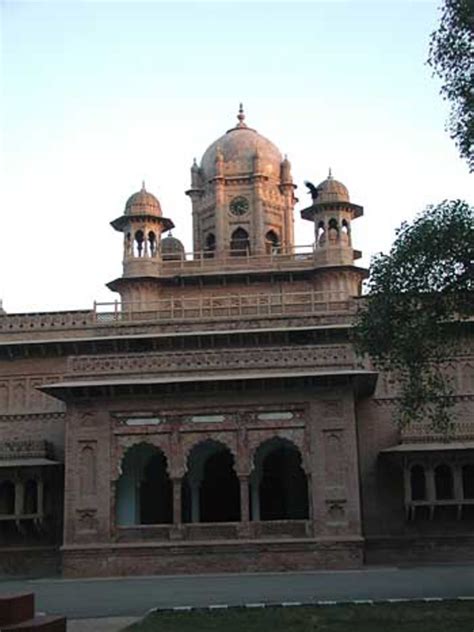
{"x": 238, "y": 148}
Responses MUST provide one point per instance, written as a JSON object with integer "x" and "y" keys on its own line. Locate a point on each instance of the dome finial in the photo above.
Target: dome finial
{"x": 330, "y": 174}
{"x": 241, "y": 116}
{"x": 143, "y": 185}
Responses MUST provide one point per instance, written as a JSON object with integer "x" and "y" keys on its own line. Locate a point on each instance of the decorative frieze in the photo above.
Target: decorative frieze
{"x": 24, "y": 449}
{"x": 337, "y": 357}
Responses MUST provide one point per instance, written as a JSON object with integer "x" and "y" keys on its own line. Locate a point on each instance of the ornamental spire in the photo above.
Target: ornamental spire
{"x": 241, "y": 116}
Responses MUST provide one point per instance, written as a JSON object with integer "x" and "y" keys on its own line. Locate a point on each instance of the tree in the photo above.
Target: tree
{"x": 419, "y": 296}
{"x": 451, "y": 55}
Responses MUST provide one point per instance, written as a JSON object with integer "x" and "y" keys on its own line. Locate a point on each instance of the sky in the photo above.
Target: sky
{"x": 98, "y": 96}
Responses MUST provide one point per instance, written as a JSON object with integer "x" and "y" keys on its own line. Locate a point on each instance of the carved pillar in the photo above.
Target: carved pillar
{"x": 458, "y": 489}
{"x": 177, "y": 486}
{"x": 40, "y": 490}
{"x": 244, "y": 498}
{"x": 430, "y": 489}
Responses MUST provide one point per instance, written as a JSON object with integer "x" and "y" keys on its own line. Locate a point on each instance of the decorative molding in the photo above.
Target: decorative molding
{"x": 327, "y": 356}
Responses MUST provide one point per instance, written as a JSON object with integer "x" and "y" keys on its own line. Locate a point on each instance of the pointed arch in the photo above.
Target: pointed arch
{"x": 279, "y": 485}
{"x": 144, "y": 492}
{"x": 211, "y": 491}
{"x": 239, "y": 242}
{"x": 272, "y": 242}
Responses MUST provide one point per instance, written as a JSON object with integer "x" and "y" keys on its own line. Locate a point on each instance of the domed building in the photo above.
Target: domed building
{"x": 215, "y": 416}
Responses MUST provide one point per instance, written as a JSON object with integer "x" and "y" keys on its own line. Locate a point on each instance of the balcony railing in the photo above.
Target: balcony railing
{"x": 296, "y": 257}
{"x": 226, "y": 307}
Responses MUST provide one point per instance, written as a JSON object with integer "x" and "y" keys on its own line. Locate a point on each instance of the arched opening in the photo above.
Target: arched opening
{"x": 321, "y": 233}
{"x": 209, "y": 245}
{"x": 272, "y": 243}
{"x": 7, "y": 498}
{"x": 152, "y": 243}
{"x": 468, "y": 481}
{"x": 443, "y": 476}
{"x": 139, "y": 245}
{"x": 345, "y": 231}
{"x": 418, "y": 483}
{"x": 30, "y": 498}
{"x": 211, "y": 490}
{"x": 333, "y": 230}
{"x": 144, "y": 492}
{"x": 279, "y": 486}
{"x": 239, "y": 243}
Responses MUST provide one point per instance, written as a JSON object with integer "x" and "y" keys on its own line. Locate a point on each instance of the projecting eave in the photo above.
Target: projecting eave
{"x": 310, "y": 212}
{"x": 194, "y": 276}
{"x": 124, "y": 220}
{"x": 363, "y": 382}
{"x": 432, "y": 446}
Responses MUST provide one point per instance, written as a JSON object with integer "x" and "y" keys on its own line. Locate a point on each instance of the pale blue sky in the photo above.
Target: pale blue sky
{"x": 97, "y": 96}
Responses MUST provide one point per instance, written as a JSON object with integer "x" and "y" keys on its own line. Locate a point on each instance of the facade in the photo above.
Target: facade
{"x": 216, "y": 417}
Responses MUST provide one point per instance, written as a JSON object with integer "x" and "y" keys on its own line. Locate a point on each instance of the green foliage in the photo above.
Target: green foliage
{"x": 452, "y": 59}
{"x": 418, "y": 296}
{"x": 409, "y": 617}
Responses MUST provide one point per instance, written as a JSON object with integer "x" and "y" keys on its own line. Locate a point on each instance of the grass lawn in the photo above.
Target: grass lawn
{"x": 447, "y": 616}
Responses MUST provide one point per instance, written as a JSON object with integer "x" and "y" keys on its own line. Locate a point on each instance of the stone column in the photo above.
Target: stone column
{"x": 458, "y": 489}
{"x": 177, "y": 516}
{"x": 40, "y": 498}
{"x": 430, "y": 489}
{"x": 244, "y": 498}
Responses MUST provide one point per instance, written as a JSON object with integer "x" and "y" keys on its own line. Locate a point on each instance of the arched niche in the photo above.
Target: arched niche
{"x": 272, "y": 242}
{"x": 211, "y": 491}
{"x": 417, "y": 482}
{"x": 7, "y": 498}
{"x": 278, "y": 482}
{"x": 240, "y": 243}
{"x": 144, "y": 491}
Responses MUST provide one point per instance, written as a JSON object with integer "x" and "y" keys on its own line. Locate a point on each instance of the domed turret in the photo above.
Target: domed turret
{"x": 331, "y": 190}
{"x": 141, "y": 224}
{"x": 143, "y": 203}
{"x": 172, "y": 249}
{"x": 332, "y": 213}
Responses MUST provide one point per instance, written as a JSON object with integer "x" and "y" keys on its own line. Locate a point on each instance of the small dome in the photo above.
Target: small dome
{"x": 331, "y": 190}
{"x": 142, "y": 203}
{"x": 171, "y": 248}
{"x": 238, "y": 147}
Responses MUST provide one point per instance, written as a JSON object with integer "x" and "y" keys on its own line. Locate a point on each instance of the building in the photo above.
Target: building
{"x": 216, "y": 418}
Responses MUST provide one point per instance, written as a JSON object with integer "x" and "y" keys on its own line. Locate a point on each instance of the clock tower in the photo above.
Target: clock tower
{"x": 242, "y": 196}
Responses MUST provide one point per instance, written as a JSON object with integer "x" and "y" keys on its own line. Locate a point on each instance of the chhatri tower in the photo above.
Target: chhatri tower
{"x": 215, "y": 417}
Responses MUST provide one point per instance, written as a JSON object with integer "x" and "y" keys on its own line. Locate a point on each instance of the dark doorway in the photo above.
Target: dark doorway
{"x": 283, "y": 485}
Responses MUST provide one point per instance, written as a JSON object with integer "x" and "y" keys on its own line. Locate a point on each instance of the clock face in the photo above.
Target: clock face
{"x": 239, "y": 206}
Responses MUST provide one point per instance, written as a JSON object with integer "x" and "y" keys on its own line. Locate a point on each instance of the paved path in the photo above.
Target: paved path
{"x": 134, "y": 596}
